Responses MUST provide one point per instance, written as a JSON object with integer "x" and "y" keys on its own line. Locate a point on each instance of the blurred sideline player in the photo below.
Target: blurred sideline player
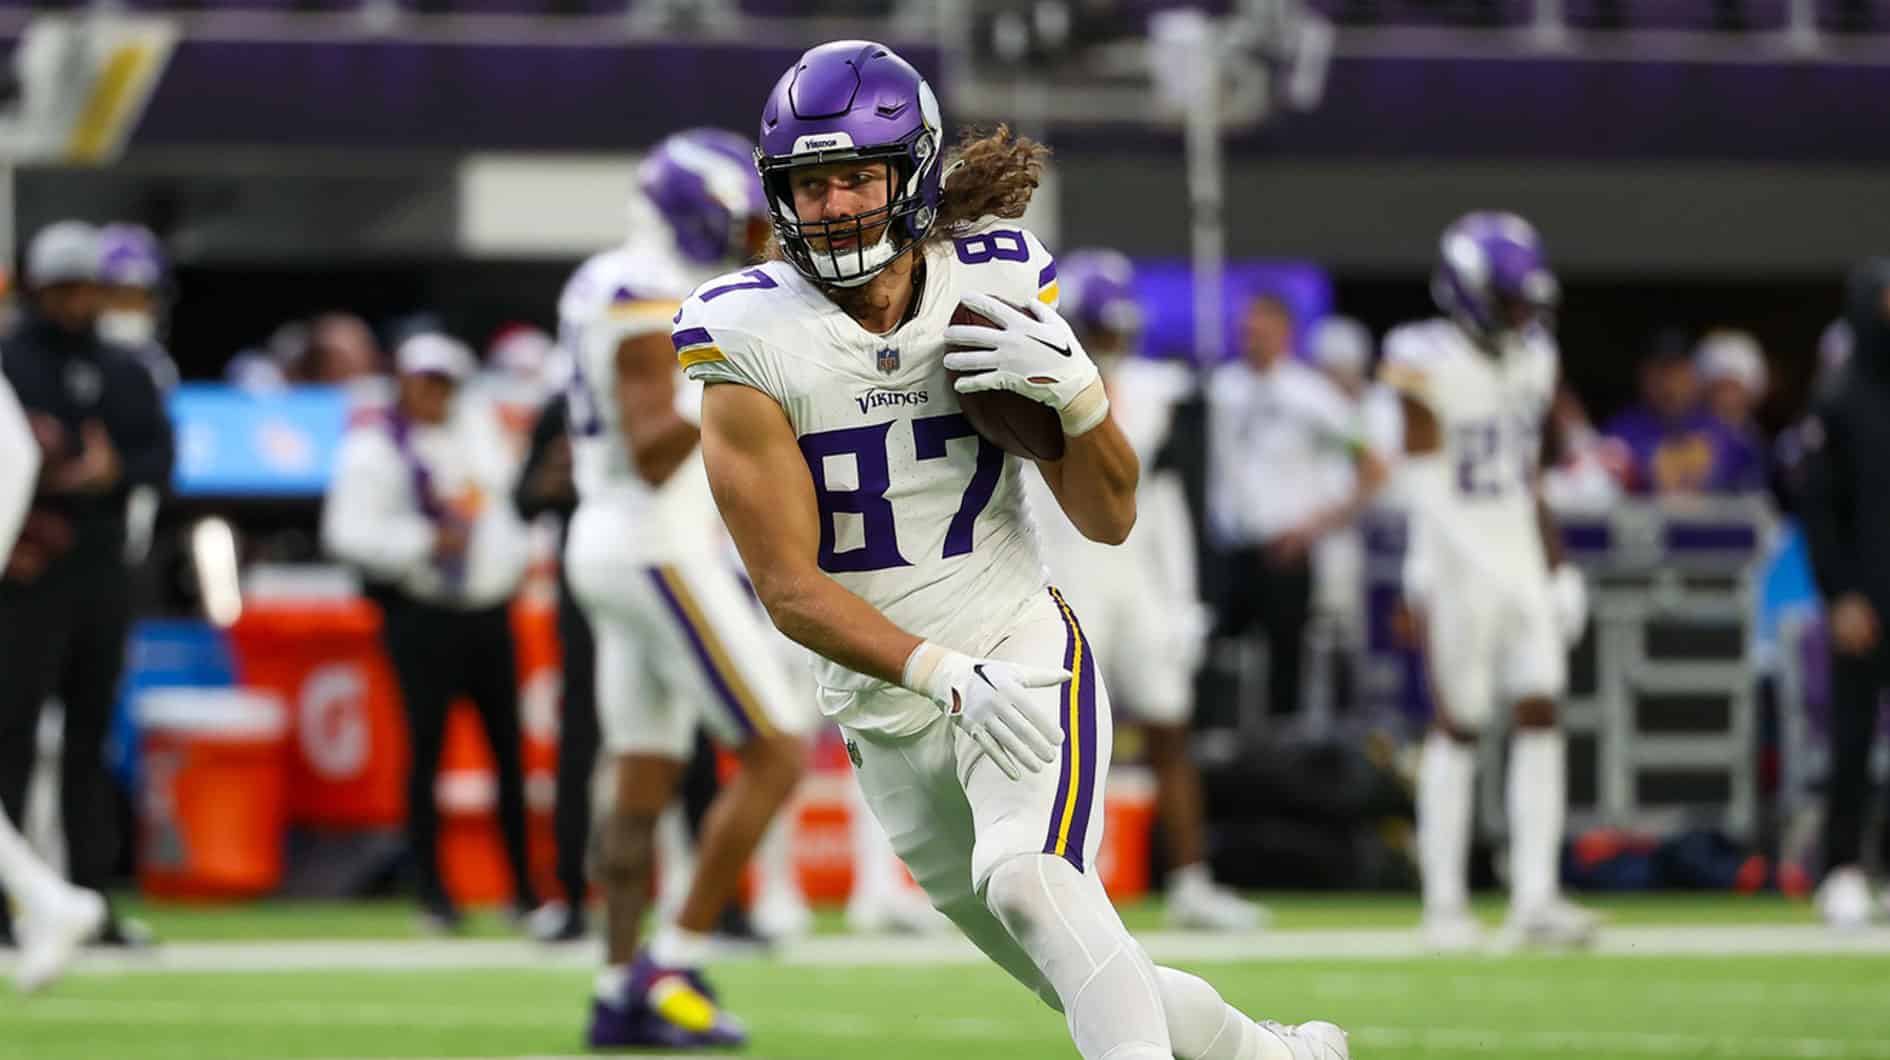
{"x": 1139, "y": 602}
{"x": 1498, "y": 606}
{"x": 679, "y": 643}
{"x": 865, "y": 506}
{"x": 51, "y": 917}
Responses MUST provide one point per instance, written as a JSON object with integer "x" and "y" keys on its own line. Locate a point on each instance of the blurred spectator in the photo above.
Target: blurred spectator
{"x": 1732, "y": 369}
{"x": 132, "y": 275}
{"x": 1341, "y": 348}
{"x": 131, "y": 271}
{"x": 421, "y": 502}
{"x": 1278, "y": 431}
{"x": 274, "y": 363}
{"x": 1675, "y": 446}
{"x": 526, "y": 353}
{"x": 341, "y": 349}
{"x": 1846, "y": 516}
{"x": 65, "y": 599}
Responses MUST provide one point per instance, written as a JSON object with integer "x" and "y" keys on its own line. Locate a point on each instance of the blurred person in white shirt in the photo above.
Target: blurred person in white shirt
{"x": 1277, "y": 431}
{"x": 421, "y": 503}
{"x": 1342, "y": 348}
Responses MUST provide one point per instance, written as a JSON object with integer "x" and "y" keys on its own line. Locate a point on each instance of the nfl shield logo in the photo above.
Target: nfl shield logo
{"x": 853, "y": 753}
{"x": 888, "y": 361}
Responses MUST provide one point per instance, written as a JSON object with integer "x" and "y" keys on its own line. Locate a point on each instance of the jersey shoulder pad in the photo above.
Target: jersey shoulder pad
{"x": 722, "y": 332}
{"x": 586, "y": 288}
{"x": 1414, "y": 354}
{"x": 1001, "y": 257}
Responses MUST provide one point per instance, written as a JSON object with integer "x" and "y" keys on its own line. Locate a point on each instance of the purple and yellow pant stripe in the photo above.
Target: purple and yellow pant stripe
{"x": 1076, "y": 783}
{"x": 737, "y": 697}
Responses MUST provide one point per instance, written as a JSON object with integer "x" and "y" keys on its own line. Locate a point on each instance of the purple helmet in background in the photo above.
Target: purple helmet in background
{"x": 1097, "y": 293}
{"x": 848, "y": 101}
{"x": 703, "y": 183}
{"x": 130, "y": 256}
{"x": 1492, "y": 276}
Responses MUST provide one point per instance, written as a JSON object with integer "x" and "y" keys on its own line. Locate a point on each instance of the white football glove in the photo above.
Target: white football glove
{"x": 1568, "y": 592}
{"x": 1031, "y": 353}
{"x": 991, "y": 700}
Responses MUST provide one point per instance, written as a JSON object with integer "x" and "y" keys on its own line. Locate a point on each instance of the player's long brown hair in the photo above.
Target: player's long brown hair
{"x": 990, "y": 174}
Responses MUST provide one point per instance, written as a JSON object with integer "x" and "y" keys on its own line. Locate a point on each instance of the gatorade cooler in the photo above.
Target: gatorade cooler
{"x": 1129, "y": 819}
{"x": 212, "y": 811}
{"x": 348, "y": 760}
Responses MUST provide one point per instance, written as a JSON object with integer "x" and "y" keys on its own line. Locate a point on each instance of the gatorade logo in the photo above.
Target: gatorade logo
{"x": 332, "y": 724}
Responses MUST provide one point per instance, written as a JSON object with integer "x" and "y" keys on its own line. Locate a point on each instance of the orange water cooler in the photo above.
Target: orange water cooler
{"x": 213, "y": 803}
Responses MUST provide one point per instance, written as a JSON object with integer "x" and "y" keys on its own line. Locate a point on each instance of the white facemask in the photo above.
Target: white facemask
{"x": 875, "y": 259}
{"x": 127, "y": 327}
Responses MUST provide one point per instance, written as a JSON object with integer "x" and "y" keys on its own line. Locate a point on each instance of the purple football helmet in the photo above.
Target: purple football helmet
{"x": 1097, "y": 293}
{"x": 850, "y": 101}
{"x": 129, "y": 256}
{"x": 1492, "y": 276}
{"x": 703, "y": 183}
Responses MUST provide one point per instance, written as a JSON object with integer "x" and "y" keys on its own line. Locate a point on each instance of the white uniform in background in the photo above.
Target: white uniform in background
{"x": 1496, "y": 620}
{"x": 928, "y": 523}
{"x": 1140, "y": 600}
{"x": 676, "y": 631}
{"x": 1475, "y": 562}
{"x": 53, "y": 917}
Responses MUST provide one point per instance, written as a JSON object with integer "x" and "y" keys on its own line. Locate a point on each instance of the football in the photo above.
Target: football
{"x": 1012, "y": 422}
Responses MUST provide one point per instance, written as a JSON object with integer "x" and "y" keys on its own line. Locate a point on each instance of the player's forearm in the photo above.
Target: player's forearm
{"x": 1550, "y": 530}
{"x": 822, "y": 616}
{"x": 1095, "y": 482}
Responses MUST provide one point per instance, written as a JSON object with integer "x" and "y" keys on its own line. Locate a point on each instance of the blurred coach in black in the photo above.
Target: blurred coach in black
{"x": 1846, "y": 515}
{"x": 64, "y": 611}
{"x": 545, "y": 486}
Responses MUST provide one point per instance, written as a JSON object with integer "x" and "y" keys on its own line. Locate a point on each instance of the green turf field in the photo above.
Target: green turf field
{"x": 1570, "y": 1007}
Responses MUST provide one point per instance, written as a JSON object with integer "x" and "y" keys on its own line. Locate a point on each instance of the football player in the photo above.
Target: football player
{"x": 1139, "y": 602}
{"x": 891, "y": 540}
{"x": 1498, "y": 606}
{"x": 679, "y": 642}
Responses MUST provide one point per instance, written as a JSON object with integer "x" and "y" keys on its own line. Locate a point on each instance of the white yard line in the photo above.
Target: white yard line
{"x": 1566, "y": 990}
{"x": 1558, "y": 1042}
{"x": 853, "y": 951}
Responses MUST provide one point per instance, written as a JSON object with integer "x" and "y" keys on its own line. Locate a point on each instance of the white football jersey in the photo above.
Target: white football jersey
{"x": 1490, "y": 411}
{"x": 632, "y": 290}
{"x": 919, "y": 516}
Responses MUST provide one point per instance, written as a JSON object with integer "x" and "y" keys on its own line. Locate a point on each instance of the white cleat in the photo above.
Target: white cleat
{"x": 1207, "y": 906}
{"x": 50, "y": 937}
{"x": 1452, "y": 931}
{"x": 1555, "y": 924}
{"x": 902, "y": 911}
{"x": 1317, "y": 1040}
{"x": 781, "y": 916}
{"x": 1844, "y": 898}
